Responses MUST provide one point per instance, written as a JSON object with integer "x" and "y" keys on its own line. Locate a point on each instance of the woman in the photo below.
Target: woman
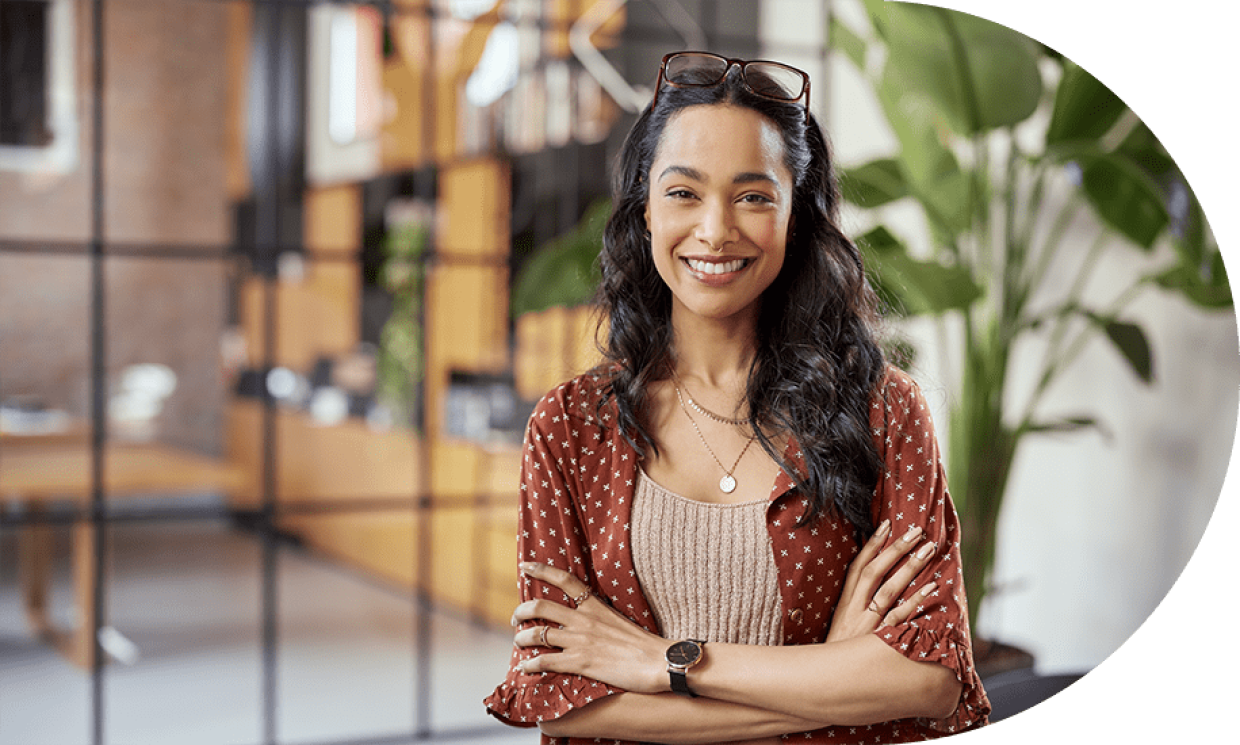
{"x": 682, "y": 585}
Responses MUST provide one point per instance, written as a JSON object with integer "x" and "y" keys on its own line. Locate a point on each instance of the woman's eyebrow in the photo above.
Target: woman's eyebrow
{"x": 747, "y": 177}
{"x": 750, "y": 177}
{"x": 686, "y": 171}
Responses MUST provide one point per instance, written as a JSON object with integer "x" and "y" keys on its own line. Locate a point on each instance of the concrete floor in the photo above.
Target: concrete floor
{"x": 188, "y": 595}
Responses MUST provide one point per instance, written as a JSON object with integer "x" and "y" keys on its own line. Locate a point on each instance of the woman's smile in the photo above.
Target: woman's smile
{"x": 714, "y": 270}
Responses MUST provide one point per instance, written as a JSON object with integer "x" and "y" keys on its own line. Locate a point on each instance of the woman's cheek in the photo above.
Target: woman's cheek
{"x": 767, "y": 233}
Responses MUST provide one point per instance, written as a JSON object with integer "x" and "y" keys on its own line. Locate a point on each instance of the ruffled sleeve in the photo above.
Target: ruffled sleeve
{"x": 549, "y": 532}
{"x": 913, "y": 492}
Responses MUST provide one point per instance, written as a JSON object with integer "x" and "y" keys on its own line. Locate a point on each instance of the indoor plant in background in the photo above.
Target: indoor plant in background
{"x": 1003, "y": 143}
{"x": 564, "y": 270}
{"x": 403, "y": 275}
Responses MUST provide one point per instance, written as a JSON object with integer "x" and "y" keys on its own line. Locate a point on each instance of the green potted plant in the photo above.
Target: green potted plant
{"x": 564, "y": 270}
{"x": 400, "y": 354}
{"x": 962, "y": 96}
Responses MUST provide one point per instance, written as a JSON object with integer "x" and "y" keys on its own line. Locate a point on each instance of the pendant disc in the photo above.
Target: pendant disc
{"x": 727, "y": 484}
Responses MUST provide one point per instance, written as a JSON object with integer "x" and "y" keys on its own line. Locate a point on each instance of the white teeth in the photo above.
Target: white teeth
{"x": 716, "y": 267}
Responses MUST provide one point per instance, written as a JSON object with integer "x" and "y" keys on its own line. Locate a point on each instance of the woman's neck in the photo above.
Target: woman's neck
{"x": 713, "y": 352}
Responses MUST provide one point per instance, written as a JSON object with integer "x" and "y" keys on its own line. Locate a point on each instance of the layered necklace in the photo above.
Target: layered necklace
{"x": 727, "y": 484}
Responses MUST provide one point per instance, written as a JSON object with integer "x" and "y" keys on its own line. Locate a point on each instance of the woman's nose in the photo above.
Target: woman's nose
{"x": 716, "y": 228}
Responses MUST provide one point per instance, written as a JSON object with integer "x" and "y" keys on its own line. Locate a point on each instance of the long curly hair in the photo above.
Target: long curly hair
{"x": 817, "y": 361}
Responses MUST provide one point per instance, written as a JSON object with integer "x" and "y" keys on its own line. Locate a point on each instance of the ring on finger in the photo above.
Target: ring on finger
{"x": 873, "y": 607}
{"x": 542, "y": 636}
{"x": 584, "y": 596}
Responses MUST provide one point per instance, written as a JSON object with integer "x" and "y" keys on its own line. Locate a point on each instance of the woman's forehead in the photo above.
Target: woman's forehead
{"x": 720, "y": 140}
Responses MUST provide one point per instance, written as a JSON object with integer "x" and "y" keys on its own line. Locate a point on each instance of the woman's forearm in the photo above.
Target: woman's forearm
{"x": 853, "y": 682}
{"x": 671, "y": 718}
{"x": 748, "y": 691}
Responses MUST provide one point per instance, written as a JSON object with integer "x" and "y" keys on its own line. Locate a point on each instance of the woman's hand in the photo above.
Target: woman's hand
{"x": 867, "y": 601}
{"x": 591, "y": 640}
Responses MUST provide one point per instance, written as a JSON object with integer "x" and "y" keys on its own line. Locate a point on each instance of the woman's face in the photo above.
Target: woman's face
{"x": 718, "y": 209}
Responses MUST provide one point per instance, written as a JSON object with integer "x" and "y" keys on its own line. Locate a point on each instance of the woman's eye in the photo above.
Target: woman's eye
{"x": 757, "y": 199}
{"x": 680, "y": 194}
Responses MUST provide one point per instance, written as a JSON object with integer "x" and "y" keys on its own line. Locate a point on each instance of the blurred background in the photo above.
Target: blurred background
{"x": 280, "y": 282}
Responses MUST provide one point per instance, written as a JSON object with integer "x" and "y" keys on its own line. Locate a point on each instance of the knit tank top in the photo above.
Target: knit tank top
{"x": 706, "y": 569}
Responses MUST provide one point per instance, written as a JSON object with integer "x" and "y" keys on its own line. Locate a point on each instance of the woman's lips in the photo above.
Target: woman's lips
{"x": 715, "y": 271}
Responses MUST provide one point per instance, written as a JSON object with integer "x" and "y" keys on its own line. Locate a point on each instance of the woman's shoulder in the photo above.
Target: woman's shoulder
{"x": 583, "y": 398}
{"x": 896, "y": 385}
{"x": 897, "y": 396}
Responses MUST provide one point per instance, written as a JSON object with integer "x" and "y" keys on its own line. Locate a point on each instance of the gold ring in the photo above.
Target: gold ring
{"x": 873, "y": 607}
{"x": 584, "y": 596}
{"x": 542, "y": 636}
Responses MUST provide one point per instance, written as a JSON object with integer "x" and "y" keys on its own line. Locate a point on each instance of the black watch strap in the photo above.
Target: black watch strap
{"x": 680, "y": 682}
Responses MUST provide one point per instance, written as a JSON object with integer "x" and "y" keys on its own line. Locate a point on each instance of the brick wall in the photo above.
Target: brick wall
{"x": 164, "y": 183}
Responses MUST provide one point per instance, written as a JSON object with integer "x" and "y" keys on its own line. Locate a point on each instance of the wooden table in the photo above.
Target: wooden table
{"x": 37, "y": 472}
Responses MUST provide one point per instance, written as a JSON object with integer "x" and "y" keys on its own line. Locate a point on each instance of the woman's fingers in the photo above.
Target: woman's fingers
{"x": 865, "y": 556}
{"x": 873, "y": 573}
{"x": 548, "y": 663}
{"x": 895, "y": 585}
{"x": 577, "y": 591}
{"x": 904, "y": 611}
{"x": 541, "y": 636}
{"x": 546, "y": 610}
{"x": 551, "y": 575}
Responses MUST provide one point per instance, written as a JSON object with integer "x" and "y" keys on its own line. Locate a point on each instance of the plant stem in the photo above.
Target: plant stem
{"x": 1085, "y": 334}
{"x": 1013, "y": 303}
{"x": 1055, "y": 362}
{"x": 1067, "y": 213}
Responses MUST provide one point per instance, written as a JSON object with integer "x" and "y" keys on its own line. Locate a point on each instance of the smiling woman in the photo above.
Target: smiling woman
{"x": 681, "y": 585}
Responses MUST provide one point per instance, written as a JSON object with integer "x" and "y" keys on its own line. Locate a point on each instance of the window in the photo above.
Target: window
{"x": 23, "y": 73}
{"x": 38, "y": 125}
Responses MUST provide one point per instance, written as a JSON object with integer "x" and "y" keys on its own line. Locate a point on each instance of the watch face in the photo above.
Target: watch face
{"x": 684, "y": 654}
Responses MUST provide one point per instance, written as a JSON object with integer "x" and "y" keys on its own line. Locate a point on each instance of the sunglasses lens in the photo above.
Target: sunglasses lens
{"x": 774, "y": 80}
{"x": 695, "y": 69}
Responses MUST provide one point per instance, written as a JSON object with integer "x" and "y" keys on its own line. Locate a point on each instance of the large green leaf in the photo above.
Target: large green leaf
{"x": 874, "y": 184}
{"x": 565, "y": 270}
{"x": 1123, "y": 195}
{"x": 842, "y": 38}
{"x": 1132, "y": 343}
{"x": 911, "y": 286}
{"x": 977, "y": 74}
{"x": 1144, "y": 149}
{"x": 931, "y": 172}
{"x": 1205, "y": 285}
{"x": 1085, "y": 109}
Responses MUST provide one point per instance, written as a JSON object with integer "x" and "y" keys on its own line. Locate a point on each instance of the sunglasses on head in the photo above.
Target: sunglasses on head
{"x": 773, "y": 80}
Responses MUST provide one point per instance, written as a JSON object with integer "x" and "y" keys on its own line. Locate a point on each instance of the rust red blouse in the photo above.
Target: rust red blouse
{"x": 577, "y": 484}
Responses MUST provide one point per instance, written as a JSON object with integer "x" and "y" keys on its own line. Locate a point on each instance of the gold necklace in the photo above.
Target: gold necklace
{"x": 703, "y": 410}
{"x": 727, "y": 484}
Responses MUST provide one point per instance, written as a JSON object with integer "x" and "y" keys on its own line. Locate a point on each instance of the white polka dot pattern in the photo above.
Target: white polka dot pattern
{"x": 577, "y": 483}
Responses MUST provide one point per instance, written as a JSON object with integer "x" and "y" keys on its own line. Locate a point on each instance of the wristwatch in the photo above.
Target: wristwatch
{"x": 680, "y": 657}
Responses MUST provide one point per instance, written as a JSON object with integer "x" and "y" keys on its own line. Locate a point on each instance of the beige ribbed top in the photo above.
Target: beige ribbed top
{"x": 706, "y": 569}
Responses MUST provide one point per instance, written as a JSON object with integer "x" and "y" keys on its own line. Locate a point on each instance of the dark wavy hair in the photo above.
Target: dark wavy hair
{"x": 817, "y": 361}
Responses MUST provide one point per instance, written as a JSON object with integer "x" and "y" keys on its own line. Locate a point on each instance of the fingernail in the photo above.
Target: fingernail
{"x": 526, "y": 567}
{"x": 883, "y": 528}
{"x": 912, "y": 534}
{"x": 513, "y": 621}
{"x": 925, "y": 551}
{"x": 928, "y": 589}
